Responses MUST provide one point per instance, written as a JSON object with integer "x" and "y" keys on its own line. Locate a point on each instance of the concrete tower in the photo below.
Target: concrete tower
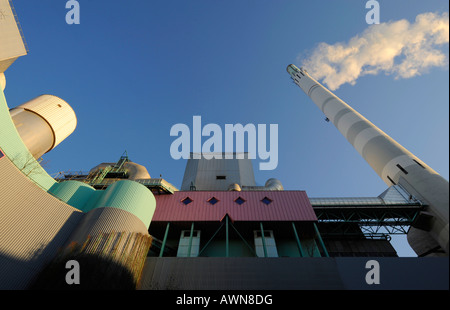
{"x": 392, "y": 162}
{"x": 217, "y": 174}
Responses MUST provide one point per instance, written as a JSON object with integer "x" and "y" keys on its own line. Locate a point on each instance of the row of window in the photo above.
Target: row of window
{"x": 214, "y": 200}
{"x": 266, "y": 248}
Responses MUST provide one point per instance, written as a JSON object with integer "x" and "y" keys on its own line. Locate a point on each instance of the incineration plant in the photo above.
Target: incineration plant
{"x": 219, "y": 230}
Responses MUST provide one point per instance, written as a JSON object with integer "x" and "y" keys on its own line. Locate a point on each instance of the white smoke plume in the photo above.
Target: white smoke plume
{"x": 397, "y": 48}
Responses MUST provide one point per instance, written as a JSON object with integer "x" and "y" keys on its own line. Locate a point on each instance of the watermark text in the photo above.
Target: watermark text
{"x": 373, "y": 15}
{"x": 73, "y": 15}
{"x": 212, "y": 148}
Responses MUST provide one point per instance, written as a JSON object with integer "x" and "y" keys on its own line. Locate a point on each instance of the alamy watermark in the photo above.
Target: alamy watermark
{"x": 213, "y": 146}
{"x": 73, "y": 275}
{"x": 373, "y": 16}
{"x": 373, "y": 275}
{"x": 73, "y": 15}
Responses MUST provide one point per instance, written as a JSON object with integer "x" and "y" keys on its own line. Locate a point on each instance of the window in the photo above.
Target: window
{"x": 187, "y": 242}
{"x": 402, "y": 169}
{"x": 239, "y": 200}
{"x": 221, "y": 177}
{"x": 186, "y": 200}
{"x": 213, "y": 200}
{"x": 266, "y": 247}
{"x": 266, "y": 200}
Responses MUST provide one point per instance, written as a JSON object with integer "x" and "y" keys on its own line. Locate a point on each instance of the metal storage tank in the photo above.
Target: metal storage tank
{"x": 116, "y": 229}
{"x": 123, "y": 206}
{"x": 43, "y": 123}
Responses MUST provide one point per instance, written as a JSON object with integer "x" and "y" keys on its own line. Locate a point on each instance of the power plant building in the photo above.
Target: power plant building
{"x": 219, "y": 231}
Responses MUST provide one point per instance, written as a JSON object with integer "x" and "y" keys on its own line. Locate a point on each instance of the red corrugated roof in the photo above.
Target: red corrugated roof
{"x": 284, "y": 206}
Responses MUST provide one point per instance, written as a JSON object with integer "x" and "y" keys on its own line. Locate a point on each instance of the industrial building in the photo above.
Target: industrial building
{"x": 219, "y": 231}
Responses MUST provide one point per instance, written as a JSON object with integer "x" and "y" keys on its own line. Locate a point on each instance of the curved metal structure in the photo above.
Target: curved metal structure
{"x": 43, "y": 123}
{"x": 40, "y": 216}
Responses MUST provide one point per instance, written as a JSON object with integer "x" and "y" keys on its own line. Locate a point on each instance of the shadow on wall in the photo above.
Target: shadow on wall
{"x": 105, "y": 261}
{"x": 95, "y": 273}
{"x": 16, "y": 273}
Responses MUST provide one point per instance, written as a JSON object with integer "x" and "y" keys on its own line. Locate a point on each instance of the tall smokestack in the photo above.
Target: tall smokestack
{"x": 392, "y": 162}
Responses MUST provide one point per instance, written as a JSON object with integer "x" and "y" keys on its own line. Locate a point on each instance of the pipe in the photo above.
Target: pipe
{"x": 34, "y": 131}
{"x": 391, "y": 161}
{"x": 43, "y": 123}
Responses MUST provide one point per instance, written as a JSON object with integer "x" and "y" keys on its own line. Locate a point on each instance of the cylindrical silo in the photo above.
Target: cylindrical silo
{"x": 116, "y": 230}
{"x": 391, "y": 161}
{"x": 43, "y": 123}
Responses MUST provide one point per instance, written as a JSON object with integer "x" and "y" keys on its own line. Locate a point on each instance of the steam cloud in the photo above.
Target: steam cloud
{"x": 397, "y": 48}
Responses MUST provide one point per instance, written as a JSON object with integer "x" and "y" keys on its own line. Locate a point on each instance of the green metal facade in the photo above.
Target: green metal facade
{"x": 129, "y": 196}
{"x": 76, "y": 194}
{"x": 17, "y": 152}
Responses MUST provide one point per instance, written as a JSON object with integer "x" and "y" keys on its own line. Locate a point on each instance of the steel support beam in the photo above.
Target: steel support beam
{"x": 263, "y": 239}
{"x": 164, "y": 240}
{"x": 227, "y": 246}
{"x": 298, "y": 241}
{"x": 320, "y": 240}
{"x": 190, "y": 240}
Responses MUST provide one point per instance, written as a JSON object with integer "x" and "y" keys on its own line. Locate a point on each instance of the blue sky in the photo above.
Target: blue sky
{"x": 133, "y": 69}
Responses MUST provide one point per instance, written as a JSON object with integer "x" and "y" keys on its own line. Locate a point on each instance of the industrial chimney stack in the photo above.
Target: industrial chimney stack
{"x": 392, "y": 162}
